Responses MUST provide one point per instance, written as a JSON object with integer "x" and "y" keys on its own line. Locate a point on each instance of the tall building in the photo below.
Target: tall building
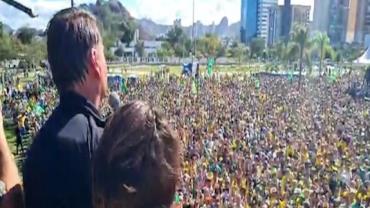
{"x": 351, "y": 21}
{"x": 248, "y": 28}
{"x": 272, "y": 25}
{"x": 286, "y": 19}
{"x": 360, "y": 20}
{"x": 301, "y": 15}
{"x": 321, "y": 16}
{"x": 265, "y": 7}
{"x": 338, "y": 21}
{"x": 257, "y": 19}
{"x": 279, "y": 22}
{"x": 365, "y": 22}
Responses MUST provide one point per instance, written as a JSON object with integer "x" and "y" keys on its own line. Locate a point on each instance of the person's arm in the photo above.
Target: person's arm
{"x": 9, "y": 174}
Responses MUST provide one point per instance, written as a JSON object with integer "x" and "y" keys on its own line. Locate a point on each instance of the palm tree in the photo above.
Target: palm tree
{"x": 301, "y": 38}
{"x": 284, "y": 52}
{"x": 322, "y": 43}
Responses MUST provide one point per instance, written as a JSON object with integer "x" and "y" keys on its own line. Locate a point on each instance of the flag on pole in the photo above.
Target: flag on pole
{"x": 124, "y": 86}
{"x": 333, "y": 77}
{"x": 290, "y": 76}
{"x": 38, "y": 110}
{"x": 257, "y": 83}
{"x": 210, "y": 66}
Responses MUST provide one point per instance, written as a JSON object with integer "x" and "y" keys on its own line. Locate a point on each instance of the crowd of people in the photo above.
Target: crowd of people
{"x": 247, "y": 140}
{"x": 270, "y": 145}
{"x": 27, "y": 106}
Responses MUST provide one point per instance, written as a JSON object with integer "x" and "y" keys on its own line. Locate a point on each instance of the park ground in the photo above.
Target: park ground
{"x": 176, "y": 70}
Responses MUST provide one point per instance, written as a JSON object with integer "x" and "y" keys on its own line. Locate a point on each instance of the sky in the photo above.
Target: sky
{"x": 160, "y": 11}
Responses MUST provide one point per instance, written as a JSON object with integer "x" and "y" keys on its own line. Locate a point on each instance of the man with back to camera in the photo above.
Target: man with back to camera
{"x": 58, "y": 166}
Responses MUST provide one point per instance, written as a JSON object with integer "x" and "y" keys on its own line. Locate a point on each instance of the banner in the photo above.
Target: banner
{"x": 210, "y": 64}
{"x": 124, "y": 86}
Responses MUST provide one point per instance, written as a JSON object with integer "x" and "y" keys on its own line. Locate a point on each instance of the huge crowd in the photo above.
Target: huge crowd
{"x": 270, "y": 145}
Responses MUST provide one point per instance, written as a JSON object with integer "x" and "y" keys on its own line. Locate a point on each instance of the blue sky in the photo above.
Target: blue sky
{"x": 161, "y": 11}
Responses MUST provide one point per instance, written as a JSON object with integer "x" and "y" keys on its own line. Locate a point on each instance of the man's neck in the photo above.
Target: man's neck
{"x": 94, "y": 98}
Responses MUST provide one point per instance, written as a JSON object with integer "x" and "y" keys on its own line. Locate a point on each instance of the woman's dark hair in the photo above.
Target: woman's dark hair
{"x": 138, "y": 161}
{"x": 71, "y": 34}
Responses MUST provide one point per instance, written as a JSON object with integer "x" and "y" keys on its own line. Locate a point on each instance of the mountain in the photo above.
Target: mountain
{"x": 223, "y": 29}
{"x": 153, "y": 28}
{"x": 117, "y": 20}
{"x": 234, "y": 30}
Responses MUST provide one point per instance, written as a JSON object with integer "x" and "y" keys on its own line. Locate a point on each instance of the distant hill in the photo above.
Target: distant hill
{"x": 223, "y": 29}
{"x": 114, "y": 16}
{"x": 109, "y": 12}
{"x": 153, "y": 28}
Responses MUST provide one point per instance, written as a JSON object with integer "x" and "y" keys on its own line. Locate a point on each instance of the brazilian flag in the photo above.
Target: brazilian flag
{"x": 290, "y": 76}
{"x": 210, "y": 64}
{"x": 257, "y": 84}
{"x": 124, "y": 86}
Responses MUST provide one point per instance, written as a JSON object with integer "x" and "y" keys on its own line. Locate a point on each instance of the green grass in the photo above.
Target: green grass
{"x": 148, "y": 69}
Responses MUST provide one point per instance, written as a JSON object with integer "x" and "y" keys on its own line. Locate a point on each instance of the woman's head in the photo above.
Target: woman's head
{"x": 138, "y": 161}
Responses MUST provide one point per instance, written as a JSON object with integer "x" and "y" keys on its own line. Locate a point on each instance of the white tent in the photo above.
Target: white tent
{"x": 365, "y": 58}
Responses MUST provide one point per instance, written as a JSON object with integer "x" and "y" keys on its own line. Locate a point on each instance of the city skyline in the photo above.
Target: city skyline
{"x": 154, "y": 10}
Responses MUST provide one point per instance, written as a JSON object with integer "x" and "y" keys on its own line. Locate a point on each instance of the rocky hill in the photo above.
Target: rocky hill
{"x": 223, "y": 29}
{"x": 116, "y": 19}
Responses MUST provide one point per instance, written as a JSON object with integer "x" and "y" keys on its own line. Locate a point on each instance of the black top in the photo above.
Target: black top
{"x": 57, "y": 170}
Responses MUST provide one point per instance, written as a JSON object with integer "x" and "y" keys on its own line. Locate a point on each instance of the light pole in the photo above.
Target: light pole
{"x": 193, "y": 33}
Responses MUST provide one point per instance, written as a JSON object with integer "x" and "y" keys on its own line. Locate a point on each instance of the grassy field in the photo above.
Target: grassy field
{"x": 176, "y": 70}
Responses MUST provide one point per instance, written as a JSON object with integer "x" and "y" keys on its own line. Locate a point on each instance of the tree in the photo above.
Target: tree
{"x": 8, "y": 48}
{"x": 178, "y": 41}
{"x": 1, "y": 29}
{"x": 34, "y": 52}
{"x": 139, "y": 48}
{"x": 210, "y": 46}
{"x": 26, "y": 34}
{"x": 109, "y": 42}
{"x": 238, "y": 50}
{"x": 322, "y": 43}
{"x": 165, "y": 50}
{"x": 257, "y": 46}
{"x": 128, "y": 29}
{"x": 300, "y": 37}
{"x": 115, "y": 21}
{"x": 176, "y": 36}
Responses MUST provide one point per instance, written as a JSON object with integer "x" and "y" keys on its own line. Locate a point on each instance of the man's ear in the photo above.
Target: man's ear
{"x": 93, "y": 62}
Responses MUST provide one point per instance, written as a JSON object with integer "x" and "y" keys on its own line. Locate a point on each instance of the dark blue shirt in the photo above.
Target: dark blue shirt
{"x": 57, "y": 170}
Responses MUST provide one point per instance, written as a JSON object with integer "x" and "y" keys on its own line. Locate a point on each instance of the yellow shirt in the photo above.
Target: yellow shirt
{"x": 282, "y": 204}
{"x": 283, "y": 184}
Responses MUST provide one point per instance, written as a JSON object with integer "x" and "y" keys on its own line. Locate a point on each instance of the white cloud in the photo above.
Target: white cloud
{"x": 161, "y": 11}
{"x": 207, "y": 11}
{"x": 43, "y": 8}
